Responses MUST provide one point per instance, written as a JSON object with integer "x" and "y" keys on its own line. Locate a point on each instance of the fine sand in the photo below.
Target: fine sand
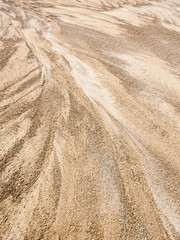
{"x": 89, "y": 120}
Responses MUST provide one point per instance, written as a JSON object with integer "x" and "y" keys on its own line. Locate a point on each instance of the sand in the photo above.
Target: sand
{"x": 89, "y": 120}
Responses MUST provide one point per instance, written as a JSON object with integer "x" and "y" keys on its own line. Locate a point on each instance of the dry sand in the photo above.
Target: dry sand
{"x": 89, "y": 119}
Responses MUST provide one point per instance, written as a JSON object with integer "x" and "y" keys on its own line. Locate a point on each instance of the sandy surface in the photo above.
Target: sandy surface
{"x": 89, "y": 119}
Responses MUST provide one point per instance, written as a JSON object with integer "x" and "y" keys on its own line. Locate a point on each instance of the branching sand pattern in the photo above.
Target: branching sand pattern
{"x": 90, "y": 119}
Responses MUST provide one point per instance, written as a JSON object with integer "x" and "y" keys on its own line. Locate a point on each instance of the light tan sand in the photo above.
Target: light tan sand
{"x": 90, "y": 120}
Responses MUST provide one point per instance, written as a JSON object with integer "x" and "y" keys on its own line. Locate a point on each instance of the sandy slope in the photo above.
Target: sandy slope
{"x": 90, "y": 119}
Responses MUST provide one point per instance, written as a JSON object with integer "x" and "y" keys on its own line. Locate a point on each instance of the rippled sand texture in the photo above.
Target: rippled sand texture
{"x": 90, "y": 119}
